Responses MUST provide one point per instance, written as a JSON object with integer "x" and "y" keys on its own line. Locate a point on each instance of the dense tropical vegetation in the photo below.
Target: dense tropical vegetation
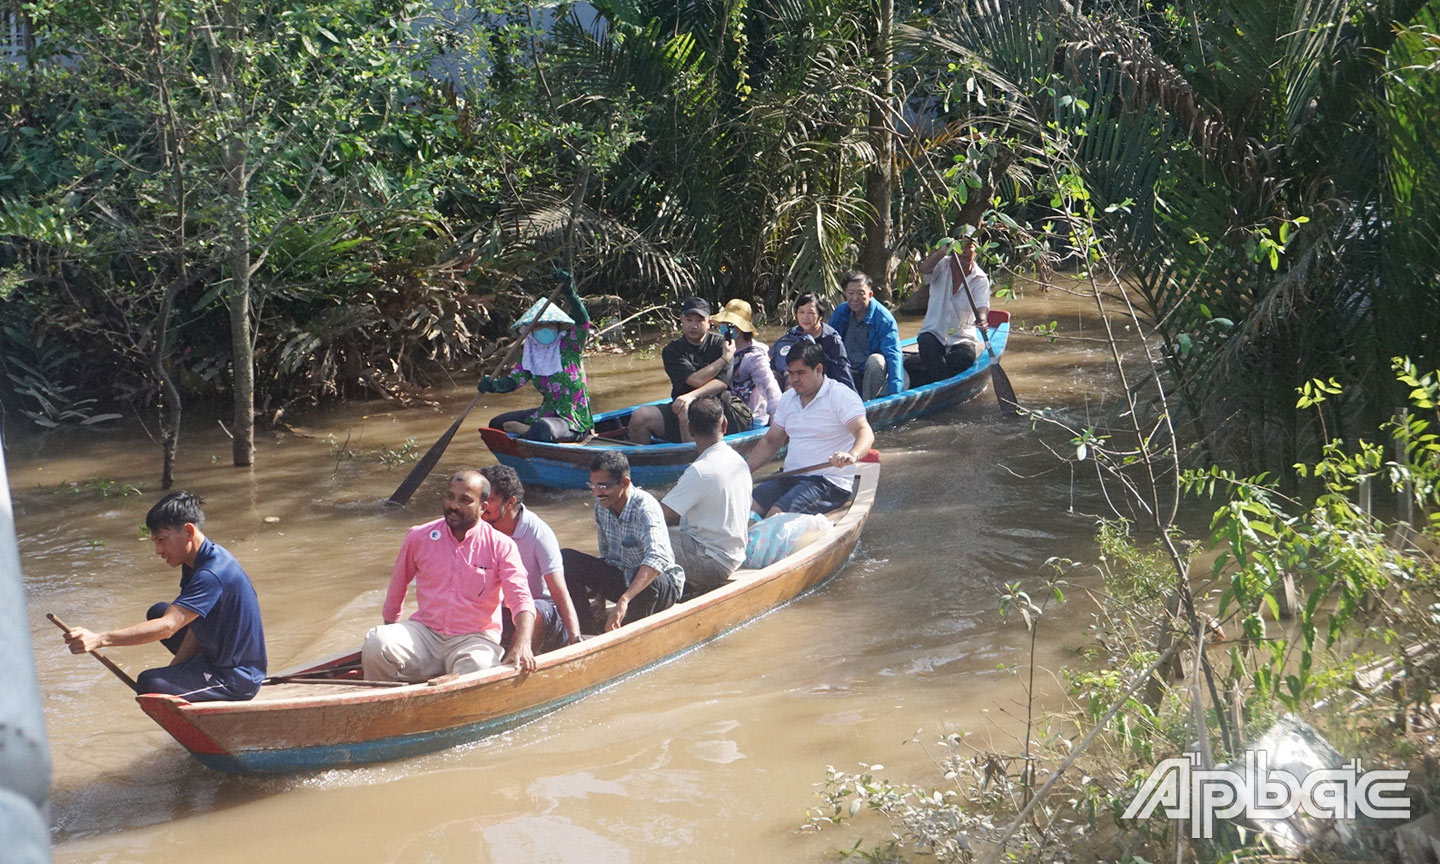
{"x": 312, "y": 200}
{"x": 276, "y": 205}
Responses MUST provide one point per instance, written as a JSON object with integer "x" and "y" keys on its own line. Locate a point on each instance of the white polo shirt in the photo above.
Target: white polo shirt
{"x": 818, "y": 429}
{"x": 538, "y": 549}
{"x": 713, "y": 500}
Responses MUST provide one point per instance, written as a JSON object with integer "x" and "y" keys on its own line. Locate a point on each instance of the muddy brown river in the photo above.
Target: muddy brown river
{"x": 714, "y": 756}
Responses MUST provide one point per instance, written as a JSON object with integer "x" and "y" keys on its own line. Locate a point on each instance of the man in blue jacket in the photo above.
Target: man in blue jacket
{"x": 872, "y": 340}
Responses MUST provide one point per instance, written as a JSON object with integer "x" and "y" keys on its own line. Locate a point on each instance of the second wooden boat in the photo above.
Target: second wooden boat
{"x": 566, "y": 466}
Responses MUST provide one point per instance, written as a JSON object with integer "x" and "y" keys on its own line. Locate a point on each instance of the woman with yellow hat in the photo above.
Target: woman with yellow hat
{"x": 752, "y": 383}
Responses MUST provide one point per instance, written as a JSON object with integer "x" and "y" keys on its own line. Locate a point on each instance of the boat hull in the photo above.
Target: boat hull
{"x": 349, "y": 725}
{"x": 566, "y": 466}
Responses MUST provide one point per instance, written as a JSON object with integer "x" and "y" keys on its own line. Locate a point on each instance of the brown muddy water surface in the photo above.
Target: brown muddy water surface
{"x": 714, "y": 756}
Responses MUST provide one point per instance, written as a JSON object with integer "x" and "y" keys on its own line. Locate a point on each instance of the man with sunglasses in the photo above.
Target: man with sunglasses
{"x": 636, "y": 567}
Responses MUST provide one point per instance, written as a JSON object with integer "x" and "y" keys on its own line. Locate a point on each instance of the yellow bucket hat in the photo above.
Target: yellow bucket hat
{"x": 736, "y": 312}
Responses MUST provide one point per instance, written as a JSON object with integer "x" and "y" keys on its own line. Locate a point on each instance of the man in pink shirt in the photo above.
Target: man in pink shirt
{"x": 462, "y": 569}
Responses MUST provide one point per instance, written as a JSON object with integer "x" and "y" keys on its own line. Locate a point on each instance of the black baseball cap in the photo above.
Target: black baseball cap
{"x": 695, "y": 304}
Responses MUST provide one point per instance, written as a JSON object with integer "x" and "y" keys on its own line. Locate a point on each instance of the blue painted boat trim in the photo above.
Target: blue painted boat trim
{"x": 565, "y": 475}
{"x": 401, "y": 746}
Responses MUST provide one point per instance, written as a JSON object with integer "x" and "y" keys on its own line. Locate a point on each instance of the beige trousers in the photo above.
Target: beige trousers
{"x": 409, "y": 651}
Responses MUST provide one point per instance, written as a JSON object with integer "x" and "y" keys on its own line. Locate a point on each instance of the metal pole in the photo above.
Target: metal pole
{"x": 24, "y": 752}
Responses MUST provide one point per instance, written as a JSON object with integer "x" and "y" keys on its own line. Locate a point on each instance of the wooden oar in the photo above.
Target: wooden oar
{"x": 312, "y": 673}
{"x": 872, "y": 456}
{"x": 344, "y": 682}
{"x": 1004, "y": 392}
{"x": 119, "y": 673}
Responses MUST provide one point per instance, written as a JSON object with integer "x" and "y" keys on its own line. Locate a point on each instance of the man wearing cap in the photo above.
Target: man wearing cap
{"x": 553, "y": 360}
{"x": 872, "y": 339}
{"x": 699, "y": 365}
{"x": 752, "y": 382}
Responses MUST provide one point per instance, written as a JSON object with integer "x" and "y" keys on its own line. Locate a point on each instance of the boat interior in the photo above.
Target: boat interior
{"x": 342, "y": 673}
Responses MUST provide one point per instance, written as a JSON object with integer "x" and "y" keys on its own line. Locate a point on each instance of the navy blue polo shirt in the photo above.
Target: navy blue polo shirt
{"x": 228, "y": 629}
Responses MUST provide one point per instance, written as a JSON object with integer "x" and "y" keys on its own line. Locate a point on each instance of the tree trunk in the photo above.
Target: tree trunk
{"x": 237, "y": 185}
{"x": 242, "y": 359}
{"x": 169, "y": 405}
{"x": 879, "y": 179}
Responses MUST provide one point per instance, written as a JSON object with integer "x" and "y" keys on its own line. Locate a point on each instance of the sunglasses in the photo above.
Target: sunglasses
{"x": 600, "y": 487}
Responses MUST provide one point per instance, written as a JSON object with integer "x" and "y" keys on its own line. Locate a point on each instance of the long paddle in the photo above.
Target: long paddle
{"x": 344, "y": 682}
{"x": 872, "y": 456}
{"x": 1004, "y": 392}
{"x": 109, "y": 664}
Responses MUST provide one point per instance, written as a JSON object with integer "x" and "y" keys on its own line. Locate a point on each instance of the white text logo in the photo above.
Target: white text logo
{"x": 1186, "y": 791}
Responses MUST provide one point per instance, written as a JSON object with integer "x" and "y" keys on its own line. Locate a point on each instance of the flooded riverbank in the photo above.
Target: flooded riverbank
{"x": 714, "y": 756}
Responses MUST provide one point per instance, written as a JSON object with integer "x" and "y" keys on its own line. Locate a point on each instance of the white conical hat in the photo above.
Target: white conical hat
{"x": 553, "y": 315}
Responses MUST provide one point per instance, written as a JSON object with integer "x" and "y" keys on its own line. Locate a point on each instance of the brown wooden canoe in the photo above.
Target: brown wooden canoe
{"x": 299, "y": 726}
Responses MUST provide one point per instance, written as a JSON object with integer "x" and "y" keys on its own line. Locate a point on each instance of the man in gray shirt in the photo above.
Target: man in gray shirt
{"x": 636, "y": 568}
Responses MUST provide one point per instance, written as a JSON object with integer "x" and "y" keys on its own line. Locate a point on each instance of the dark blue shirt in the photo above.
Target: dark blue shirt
{"x": 228, "y": 629}
{"x": 837, "y": 364}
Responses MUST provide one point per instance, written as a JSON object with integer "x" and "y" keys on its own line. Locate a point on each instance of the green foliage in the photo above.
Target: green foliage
{"x": 1340, "y": 555}
{"x": 36, "y": 370}
{"x": 933, "y": 822}
{"x": 101, "y": 487}
{"x": 407, "y": 453}
{"x": 390, "y": 457}
{"x": 1367, "y": 595}
{"x": 1276, "y": 230}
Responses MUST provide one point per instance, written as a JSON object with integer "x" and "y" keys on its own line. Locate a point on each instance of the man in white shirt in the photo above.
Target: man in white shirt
{"x": 709, "y": 508}
{"x": 948, "y": 340}
{"x": 556, "y": 624}
{"x": 822, "y": 422}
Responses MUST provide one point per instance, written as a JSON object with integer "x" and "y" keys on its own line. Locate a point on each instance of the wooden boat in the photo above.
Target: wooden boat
{"x": 566, "y": 466}
{"x": 297, "y": 726}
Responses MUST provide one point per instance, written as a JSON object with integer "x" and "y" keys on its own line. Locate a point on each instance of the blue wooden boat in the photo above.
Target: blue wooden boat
{"x": 565, "y": 466}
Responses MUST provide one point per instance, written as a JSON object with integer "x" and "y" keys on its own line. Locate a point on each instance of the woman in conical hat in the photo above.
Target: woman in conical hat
{"x": 553, "y": 360}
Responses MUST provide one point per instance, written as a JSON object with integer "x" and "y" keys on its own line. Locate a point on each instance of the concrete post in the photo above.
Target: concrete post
{"x": 24, "y": 753}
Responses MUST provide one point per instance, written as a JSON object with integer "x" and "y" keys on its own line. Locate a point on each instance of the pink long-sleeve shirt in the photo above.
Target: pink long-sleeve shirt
{"x": 459, "y": 584}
